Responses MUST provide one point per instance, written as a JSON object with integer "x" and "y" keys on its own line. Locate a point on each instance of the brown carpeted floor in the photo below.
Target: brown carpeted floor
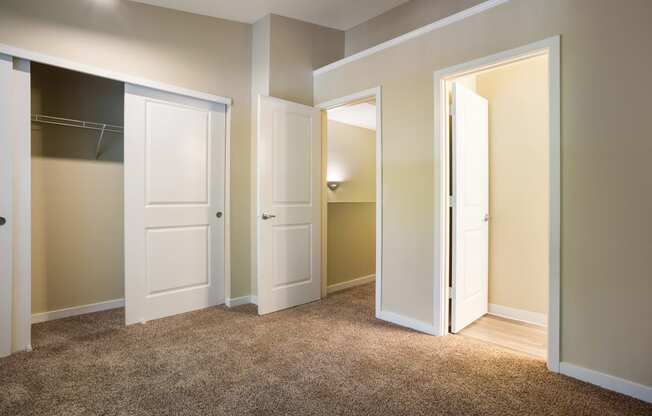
{"x": 327, "y": 358}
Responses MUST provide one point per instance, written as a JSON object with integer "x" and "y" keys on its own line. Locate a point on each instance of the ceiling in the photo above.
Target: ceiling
{"x": 337, "y": 14}
{"x": 360, "y": 115}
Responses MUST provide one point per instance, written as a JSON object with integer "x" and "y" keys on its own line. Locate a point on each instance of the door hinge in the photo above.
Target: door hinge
{"x": 451, "y": 292}
{"x": 451, "y": 201}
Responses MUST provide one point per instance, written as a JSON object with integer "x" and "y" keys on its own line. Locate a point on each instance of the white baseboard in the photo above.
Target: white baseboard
{"x": 407, "y": 322}
{"x": 242, "y": 300}
{"x": 518, "y": 314}
{"x": 607, "y": 381}
{"x": 350, "y": 283}
{"x": 77, "y": 310}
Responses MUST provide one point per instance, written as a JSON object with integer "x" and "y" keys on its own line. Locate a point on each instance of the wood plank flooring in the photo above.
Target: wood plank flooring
{"x": 518, "y": 336}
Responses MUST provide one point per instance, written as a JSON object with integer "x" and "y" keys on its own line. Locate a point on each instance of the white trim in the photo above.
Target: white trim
{"x": 351, "y": 202}
{"x": 358, "y": 96}
{"x": 551, "y": 46}
{"x": 608, "y": 382}
{"x": 407, "y": 322}
{"x": 438, "y": 24}
{"x": 377, "y": 94}
{"x": 242, "y": 300}
{"x": 117, "y": 76}
{"x": 77, "y": 310}
{"x": 227, "y": 205}
{"x": 350, "y": 283}
{"x": 520, "y": 315}
{"x": 21, "y": 113}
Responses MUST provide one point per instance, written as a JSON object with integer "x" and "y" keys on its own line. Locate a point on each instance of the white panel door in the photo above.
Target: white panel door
{"x": 174, "y": 203}
{"x": 6, "y": 207}
{"x": 289, "y": 204}
{"x": 470, "y": 230}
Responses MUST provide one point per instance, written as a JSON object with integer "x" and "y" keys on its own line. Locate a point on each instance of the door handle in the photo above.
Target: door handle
{"x": 219, "y": 214}
{"x": 3, "y": 221}
{"x": 486, "y": 218}
{"x": 268, "y": 216}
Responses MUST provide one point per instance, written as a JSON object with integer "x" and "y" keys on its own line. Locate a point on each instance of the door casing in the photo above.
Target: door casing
{"x": 375, "y": 94}
{"x": 550, "y": 47}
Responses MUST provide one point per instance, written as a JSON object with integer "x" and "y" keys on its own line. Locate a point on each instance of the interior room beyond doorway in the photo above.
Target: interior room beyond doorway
{"x": 351, "y": 195}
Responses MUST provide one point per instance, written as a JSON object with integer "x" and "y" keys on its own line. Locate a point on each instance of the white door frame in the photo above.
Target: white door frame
{"x": 375, "y": 93}
{"x": 551, "y": 47}
{"x": 22, "y": 159}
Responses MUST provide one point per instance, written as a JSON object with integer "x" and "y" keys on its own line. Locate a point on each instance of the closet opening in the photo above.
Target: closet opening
{"x": 77, "y": 189}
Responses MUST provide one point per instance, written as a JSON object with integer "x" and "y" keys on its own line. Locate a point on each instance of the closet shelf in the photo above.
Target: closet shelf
{"x": 90, "y": 125}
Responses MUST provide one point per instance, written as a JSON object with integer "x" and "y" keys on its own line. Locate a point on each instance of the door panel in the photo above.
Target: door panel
{"x": 6, "y": 207}
{"x": 289, "y": 191}
{"x": 177, "y": 146}
{"x": 470, "y": 232}
{"x": 174, "y": 187}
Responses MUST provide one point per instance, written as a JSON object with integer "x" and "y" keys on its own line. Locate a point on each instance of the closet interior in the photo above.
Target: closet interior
{"x": 77, "y": 192}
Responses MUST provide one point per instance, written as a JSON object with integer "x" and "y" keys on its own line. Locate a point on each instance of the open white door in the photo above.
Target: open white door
{"x": 289, "y": 204}
{"x": 174, "y": 198}
{"x": 6, "y": 208}
{"x": 470, "y": 231}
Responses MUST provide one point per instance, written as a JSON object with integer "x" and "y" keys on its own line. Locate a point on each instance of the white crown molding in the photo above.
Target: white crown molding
{"x": 472, "y": 11}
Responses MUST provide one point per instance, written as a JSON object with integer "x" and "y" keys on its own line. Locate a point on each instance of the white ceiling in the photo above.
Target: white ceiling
{"x": 337, "y": 14}
{"x": 360, "y": 115}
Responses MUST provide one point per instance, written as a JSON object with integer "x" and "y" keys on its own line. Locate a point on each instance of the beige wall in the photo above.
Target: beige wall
{"x": 197, "y": 52}
{"x": 606, "y": 153}
{"x": 402, "y": 19}
{"x": 352, "y": 162}
{"x": 351, "y": 241}
{"x": 351, "y": 208}
{"x": 77, "y": 201}
{"x": 518, "y": 183}
{"x": 296, "y": 49}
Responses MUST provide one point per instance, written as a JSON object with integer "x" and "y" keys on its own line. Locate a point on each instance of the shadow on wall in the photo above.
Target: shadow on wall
{"x": 62, "y": 93}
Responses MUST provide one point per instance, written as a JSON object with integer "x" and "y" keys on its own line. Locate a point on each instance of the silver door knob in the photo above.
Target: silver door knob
{"x": 268, "y": 216}
{"x": 486, "y": 218}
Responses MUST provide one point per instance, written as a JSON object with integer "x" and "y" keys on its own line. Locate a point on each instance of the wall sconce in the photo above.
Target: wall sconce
{"x": 332, "y": 185}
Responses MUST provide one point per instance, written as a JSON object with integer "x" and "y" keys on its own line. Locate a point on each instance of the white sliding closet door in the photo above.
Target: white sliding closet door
{"x": 174, "y": 203}
{"x": 6, "y": 208}
{"x": 15, "y": 255}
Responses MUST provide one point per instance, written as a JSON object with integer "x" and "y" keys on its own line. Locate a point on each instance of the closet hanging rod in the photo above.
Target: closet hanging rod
{"x": 60, "y": 121}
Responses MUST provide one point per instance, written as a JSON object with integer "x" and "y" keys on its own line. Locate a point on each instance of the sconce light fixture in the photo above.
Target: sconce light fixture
{"x": 332, "y": 185}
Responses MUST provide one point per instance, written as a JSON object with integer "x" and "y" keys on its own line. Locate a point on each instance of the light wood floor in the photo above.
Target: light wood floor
{"x": 519, "y": 336}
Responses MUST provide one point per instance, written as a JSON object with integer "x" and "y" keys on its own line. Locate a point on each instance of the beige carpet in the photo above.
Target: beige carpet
{"x": 327, "y": 358}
